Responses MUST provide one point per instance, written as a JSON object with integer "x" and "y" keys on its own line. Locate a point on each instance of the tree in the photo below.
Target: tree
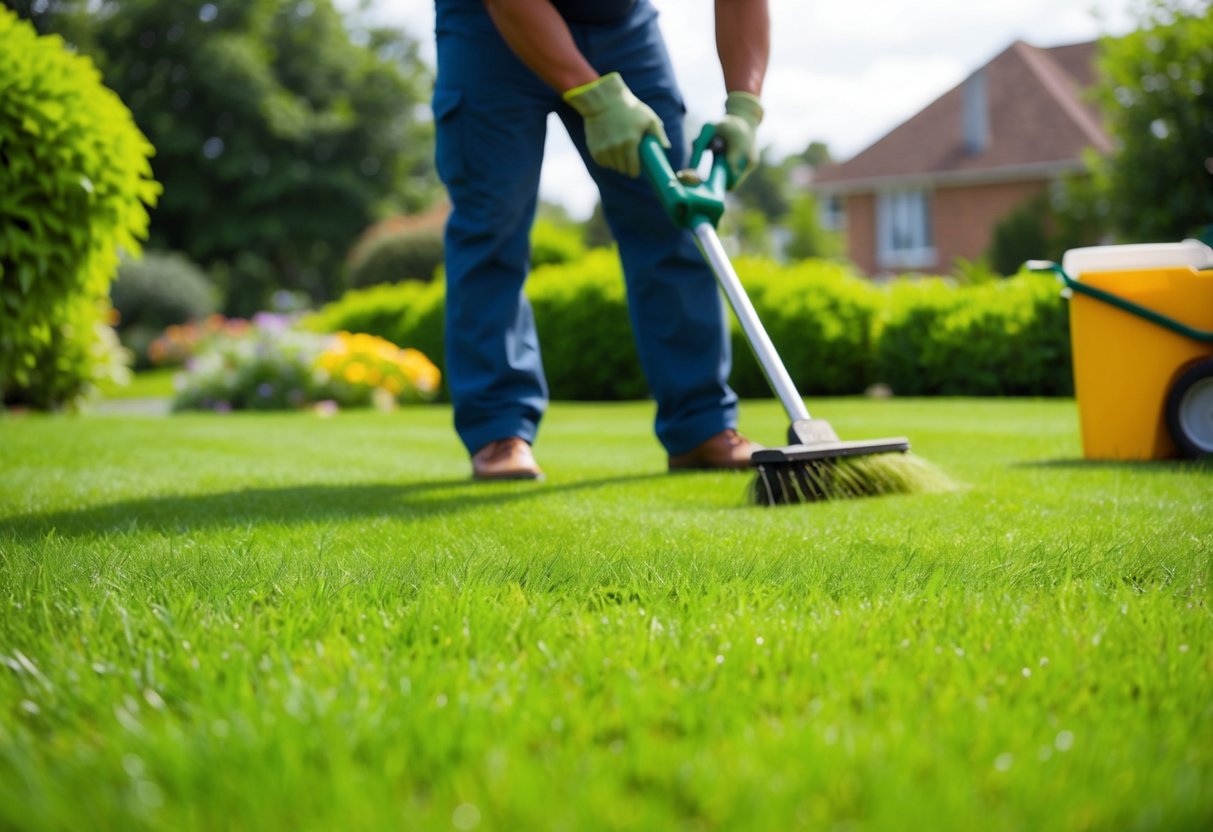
{"x": 1022, "y": 235}
{"x": 815, "y": 155}
{"x": 1156, "y": 91}
{"x": 280, "y": 134}
{"x": 807, "y": 236}
{"x": 765, "y": 190}
{"x": 1047, "y": 225}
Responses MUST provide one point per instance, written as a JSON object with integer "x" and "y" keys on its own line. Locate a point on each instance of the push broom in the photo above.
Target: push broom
{"x": 816, "y": 464}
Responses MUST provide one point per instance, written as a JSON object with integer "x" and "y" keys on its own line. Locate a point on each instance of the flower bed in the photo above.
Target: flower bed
{"x": 266, "y": 364}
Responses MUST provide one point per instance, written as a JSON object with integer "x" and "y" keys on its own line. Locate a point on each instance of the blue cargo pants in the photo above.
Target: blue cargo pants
{"x": 491, "y": 120}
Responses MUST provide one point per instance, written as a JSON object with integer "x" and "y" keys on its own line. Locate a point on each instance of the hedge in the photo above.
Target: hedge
{"x": 585, "y": 335}
{"x": 837, "y": 332}
{"x": 1006, "y": 338}
{"x": 820, "y": 317}
{"x": 75, "y": 183}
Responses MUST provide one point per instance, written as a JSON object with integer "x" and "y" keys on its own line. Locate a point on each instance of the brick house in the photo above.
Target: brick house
{"x": 935, "y": 187}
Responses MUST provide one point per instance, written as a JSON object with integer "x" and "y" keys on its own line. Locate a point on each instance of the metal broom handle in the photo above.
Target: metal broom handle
{"x": 756, "y": 334}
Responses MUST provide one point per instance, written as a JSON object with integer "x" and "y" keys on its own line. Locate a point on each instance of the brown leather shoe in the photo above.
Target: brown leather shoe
{"x": 505, "y": 459}
{"x": 726, "y": 450}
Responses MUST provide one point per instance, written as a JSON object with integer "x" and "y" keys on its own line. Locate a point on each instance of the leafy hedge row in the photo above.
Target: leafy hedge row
{"x": 837, "y": 332}
{"x": 1006, "y": 338}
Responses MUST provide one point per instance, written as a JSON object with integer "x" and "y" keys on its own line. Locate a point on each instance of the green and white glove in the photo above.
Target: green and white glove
{"x": 743, "y": 114}
{"x": 615, "y": 122}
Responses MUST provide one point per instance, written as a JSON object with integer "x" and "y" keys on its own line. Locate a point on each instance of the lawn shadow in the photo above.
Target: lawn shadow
{"x": 293, "y": 505}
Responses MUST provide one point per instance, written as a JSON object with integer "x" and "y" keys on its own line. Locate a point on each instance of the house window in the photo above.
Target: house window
{"x": 903, "y": 230}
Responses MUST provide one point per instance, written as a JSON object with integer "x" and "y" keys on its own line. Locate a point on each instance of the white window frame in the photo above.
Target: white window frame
{"x": 904, "y": 233}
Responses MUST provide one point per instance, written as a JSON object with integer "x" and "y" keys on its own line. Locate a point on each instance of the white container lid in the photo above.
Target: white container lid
{"x": 1194, "y": 253}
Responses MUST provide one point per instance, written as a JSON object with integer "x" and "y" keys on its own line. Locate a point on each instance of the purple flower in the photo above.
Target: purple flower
{"x": 265, "y": 389}
{"x": 271, "y": 321}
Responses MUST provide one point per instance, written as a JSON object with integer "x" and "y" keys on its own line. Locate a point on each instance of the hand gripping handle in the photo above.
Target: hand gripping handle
{"x": 688, "y": 200}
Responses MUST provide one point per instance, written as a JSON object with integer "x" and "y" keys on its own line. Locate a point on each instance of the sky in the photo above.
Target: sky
{"x": 841, "y": 71}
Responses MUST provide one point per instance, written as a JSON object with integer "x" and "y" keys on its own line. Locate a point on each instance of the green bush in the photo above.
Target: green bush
{"x": 82, "y": 353}
{"x": 155, "y": 292}
{"x": 1010, "y": 337}
{"x": 399, "y": 255}
{"x": 820, "y": 316}
{"x": 74, "y": 185}
{"x": 553, "y": 243}
{"x": 837, "y": 332}
{"x": 585, "y": 335}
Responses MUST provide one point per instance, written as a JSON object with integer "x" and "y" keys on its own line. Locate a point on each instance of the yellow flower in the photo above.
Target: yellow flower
{"x": 428, "y": 382}
{"x": 355, "y": 372}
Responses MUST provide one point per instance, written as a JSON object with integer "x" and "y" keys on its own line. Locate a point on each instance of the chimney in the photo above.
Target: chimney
{"x": 976, "y": 116}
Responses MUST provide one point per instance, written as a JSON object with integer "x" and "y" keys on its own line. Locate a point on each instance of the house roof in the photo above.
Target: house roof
{"x": 1038, "y": 123}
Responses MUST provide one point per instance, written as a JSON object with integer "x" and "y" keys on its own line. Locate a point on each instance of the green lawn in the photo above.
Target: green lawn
{"x": 287, "y": 622}
{"x": 143, "y": 385}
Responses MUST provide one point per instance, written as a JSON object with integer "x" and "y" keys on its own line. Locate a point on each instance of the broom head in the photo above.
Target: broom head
{"x": 819, "y": 466}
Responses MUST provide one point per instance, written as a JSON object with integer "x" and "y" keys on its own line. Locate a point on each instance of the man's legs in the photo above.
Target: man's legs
{"x": 490, "y": 114}
{"x": 676, "y": 311}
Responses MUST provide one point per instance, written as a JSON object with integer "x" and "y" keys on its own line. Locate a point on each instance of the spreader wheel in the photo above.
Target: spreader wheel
{"x": 1190, "y": 410}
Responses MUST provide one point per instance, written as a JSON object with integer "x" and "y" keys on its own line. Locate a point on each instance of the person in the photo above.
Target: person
{"x": 602, "y": 67}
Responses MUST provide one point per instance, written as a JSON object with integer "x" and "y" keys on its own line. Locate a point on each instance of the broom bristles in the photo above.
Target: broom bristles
{"x": 843, "y": 478}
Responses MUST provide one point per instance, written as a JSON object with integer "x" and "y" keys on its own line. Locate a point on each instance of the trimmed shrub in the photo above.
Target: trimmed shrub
{"x": 585, "y": 334}
{"x": 82, "y": 353}
{"x": 156, "y": 292}
{"x": 820, "y": 316}
{"x": 837, "y": 332}
{"x": 553, "y": 243}
{"x": 397, "y": 249}
{"x": 1007, "y": 338}
{"x": 74, "y": 185}
{"x": 414, "y": 254}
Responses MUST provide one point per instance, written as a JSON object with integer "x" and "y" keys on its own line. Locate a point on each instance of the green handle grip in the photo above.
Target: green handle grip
{"x": 686, "y": 200}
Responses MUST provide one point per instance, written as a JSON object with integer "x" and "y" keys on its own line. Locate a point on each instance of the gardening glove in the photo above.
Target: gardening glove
{"x": 615, "y": 122}
{"x": 743, "y": 113}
